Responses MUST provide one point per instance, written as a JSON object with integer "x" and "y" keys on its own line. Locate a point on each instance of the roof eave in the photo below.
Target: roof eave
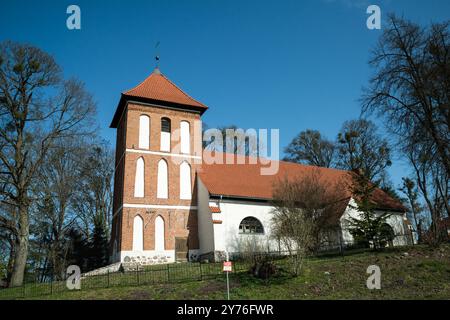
{"x": 259, "y": 199}
{"x": 124, "y": 98}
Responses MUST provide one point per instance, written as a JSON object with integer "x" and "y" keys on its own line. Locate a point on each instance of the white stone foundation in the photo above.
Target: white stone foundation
{"x": 150, "y": 257}
{"x": 147, "y": 257}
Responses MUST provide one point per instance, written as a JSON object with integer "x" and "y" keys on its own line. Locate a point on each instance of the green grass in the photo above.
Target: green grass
{"x": 423, "y": 273}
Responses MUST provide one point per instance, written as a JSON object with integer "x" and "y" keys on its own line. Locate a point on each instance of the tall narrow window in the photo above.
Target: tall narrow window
{"x": 144, "y": 132}
{"x": 162, "y": 187}
{"x": 185, "y": 181}
{"x": 139, "y": 179}
{"x": 138, "y": 234}
{"x": 159, "y": 234}
{"x": 165, "y": 134}
{"x": 185, "y": 137}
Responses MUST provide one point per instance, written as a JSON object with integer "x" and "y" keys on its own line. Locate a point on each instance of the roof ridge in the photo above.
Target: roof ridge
{"x": 287, "y": 162}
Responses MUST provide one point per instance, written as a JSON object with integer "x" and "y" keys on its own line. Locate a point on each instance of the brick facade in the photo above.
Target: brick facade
{"x": 178, "y": 222}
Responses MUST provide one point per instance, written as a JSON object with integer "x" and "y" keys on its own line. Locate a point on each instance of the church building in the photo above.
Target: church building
{"x": 169, "y": 205}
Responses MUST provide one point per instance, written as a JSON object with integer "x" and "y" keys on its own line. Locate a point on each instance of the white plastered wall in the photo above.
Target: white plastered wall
{"x": 205, "y": 225}
{"x": 226, "y": 234}
{"x": 396, "y": 221}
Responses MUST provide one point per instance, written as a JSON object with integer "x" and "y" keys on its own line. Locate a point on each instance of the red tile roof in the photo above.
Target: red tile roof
{"x": 214, "y": 209}
{"x": 246, "y": 181}
{"x": 158, "y": 89}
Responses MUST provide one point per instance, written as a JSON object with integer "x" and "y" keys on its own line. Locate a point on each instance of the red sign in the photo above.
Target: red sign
{"x": 227, "y": 266}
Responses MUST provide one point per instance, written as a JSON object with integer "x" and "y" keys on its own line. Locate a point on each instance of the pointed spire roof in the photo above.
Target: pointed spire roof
{"x": 158, "y": 89}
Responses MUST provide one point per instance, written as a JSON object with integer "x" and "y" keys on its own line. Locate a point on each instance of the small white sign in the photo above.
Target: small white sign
{"x": 227, "y": 266}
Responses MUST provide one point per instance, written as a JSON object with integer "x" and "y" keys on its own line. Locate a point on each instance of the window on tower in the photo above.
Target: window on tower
{"x": 185, "y": 181}
{"x": 139, "y": 179}
{"x": 163, "y": 186}
{"x": 165, "y": 134}
{"x": 185, "y": 137}
{"x": 138, "y": 234}
{"x": 144, "y": 132}
{"x": 159, "y": 234}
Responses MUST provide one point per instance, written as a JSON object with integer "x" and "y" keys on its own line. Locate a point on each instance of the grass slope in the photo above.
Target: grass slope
{"x": 406, "y": 273}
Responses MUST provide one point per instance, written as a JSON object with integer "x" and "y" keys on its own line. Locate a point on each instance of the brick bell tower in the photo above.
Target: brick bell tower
{"x": 158, "y": 149}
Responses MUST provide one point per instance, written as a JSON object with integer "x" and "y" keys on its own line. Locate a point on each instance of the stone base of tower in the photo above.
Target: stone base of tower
{"x": 151, "y": 257}
{"x": 138, "y": 228}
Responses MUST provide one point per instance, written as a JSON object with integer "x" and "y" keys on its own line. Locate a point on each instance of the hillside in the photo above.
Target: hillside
{"x": 406, "y": 273}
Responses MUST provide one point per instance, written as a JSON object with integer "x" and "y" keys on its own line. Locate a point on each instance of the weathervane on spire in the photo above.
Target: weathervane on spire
{"x": 157, "y": 54}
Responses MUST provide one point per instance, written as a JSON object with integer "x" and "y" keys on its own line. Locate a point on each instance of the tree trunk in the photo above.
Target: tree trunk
{"x": 21, "y": 249}
{"x": 9, "y": 268}
{"x": 20, "y": 260}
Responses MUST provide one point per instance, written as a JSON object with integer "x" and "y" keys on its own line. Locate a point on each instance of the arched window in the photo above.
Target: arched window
{"x": 138, "y": 234}
{"x": 139, "y": 179}
{"x": 144, "y": 132}
{"x": 251, "y": 225}
{"x": 185, "y": 181}
{"x": 159, "y": 234}
{"x": 184, "y": 137}
{"x": 165, "y": 134}
{"x": 387, "y": 235}
{"x": 163, "y": 186}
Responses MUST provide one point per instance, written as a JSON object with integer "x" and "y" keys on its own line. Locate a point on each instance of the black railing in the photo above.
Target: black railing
{"x": 155, "y": 274}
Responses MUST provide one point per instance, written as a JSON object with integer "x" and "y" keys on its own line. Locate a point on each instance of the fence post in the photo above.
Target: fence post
{"x": 108, "y": 277}
{"x": 201, "y": 274}
{"x": 51, "y": 286}
{"x": 341, "y": 247}
{"x": 23, "y": 290}
{"x": 137, "y": 274}
{"x": 168, "y": 273}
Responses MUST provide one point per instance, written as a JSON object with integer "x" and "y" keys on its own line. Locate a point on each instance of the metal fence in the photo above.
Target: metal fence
{"x": 155, "y": 274}
{"x": 169, "y": 273}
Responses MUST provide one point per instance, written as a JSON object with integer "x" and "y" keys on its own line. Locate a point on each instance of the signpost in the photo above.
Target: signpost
{"x": 227, "y": 268}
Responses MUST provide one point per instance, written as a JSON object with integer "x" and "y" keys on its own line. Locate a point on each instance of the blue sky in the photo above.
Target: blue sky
{"x": 290, "y": 65}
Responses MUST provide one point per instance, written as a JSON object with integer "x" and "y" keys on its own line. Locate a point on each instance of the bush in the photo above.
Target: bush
{"x": 264, "y": 269}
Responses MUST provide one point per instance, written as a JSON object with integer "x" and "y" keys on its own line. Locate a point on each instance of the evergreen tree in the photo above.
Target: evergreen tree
{"x": 369, "y": 228}
{"x": 99, "y": 244}
{"x": 79, "y": 250}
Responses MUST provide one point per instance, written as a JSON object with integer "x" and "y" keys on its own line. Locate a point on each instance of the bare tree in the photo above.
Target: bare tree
{"x": 54, "y": 191}
{"x": 361, "y": 148}
{"x": 409, "y": 189}
{"x": 309, "y": 147}
{"x": 73, "y": 194}
{"x": 305, "y": 209}
{"x": 411, "y": 85}
{"x": 410, "y": 90}
{"x": 37, "y": 107}
{"x": 433, "y": 182}
{"x": 93, "y": 200}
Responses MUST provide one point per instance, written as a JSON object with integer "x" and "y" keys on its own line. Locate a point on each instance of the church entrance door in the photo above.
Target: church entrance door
{"x": 181, "y": 249}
